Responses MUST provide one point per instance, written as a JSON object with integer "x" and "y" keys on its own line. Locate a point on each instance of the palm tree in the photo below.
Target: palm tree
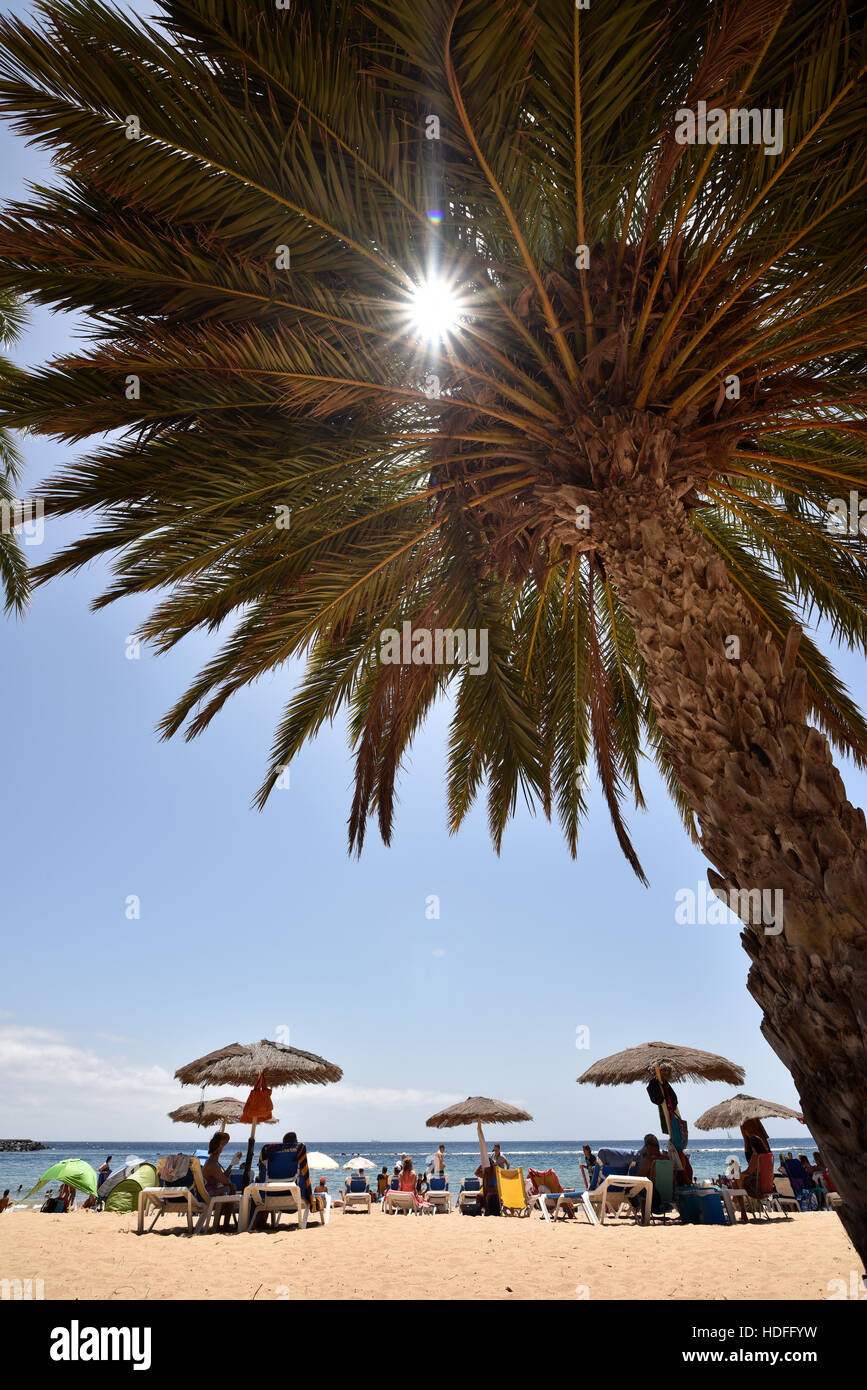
{"x": 14, "y": 571}
{"x": 434, "y": 314}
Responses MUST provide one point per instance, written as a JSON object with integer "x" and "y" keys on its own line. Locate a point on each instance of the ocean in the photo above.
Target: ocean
{"x": 707, "y": 1155}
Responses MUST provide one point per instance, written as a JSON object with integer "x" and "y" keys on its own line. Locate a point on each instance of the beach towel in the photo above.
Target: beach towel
{"x": 173, "y": 1168}
{"x": 302, "y": 1177}
{"x": 491, "y": 1190}
{"x": 548, "y": 1181}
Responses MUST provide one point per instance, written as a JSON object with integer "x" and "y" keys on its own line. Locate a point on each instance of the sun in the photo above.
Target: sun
{"x": 434, "y": 310}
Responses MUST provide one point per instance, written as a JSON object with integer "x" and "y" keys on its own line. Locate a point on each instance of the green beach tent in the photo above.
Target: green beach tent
{"x": 124, "y": 1196}
{"x": 73, "y": 1171}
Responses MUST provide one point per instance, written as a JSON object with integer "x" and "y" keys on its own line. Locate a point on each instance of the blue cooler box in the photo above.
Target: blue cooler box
{"x": 700, "y": 1206}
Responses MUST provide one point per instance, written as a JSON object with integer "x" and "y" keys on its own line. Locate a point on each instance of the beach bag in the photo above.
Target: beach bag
{"x": 258, "y": 1103}
{"x": 679, "y": 1132}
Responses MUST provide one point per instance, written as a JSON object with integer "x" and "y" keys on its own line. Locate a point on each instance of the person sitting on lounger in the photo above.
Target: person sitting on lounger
{"x": 749, "y": 1179}
{"x": 408, "y": 1182}
{"x": 353, "y": 1177}
{"x": 297, "y": 1151}
{"x": 217, "y": 1180}
{"x": 644, "y": 1167}
{"x": 754, "y": 1129}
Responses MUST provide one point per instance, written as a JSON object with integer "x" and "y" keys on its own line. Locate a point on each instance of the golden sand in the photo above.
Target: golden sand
{"x": 98, "y": 1256}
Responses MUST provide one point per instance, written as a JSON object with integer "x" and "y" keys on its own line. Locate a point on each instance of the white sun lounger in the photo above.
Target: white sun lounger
{"x": 192, "y": 1201}
{"x": 276, "y": 1198}
{"x": 361, "y": 1201}
{"x": 440, "y": 1198}
{"x": 612, "y": 1191}
{"x": 557, "y": 1201}
{"x": 181, "y": 1201}
{"x": 398, "y": 1201}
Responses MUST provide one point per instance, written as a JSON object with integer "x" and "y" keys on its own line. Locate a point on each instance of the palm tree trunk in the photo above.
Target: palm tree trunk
{"x": 770, "y": 804}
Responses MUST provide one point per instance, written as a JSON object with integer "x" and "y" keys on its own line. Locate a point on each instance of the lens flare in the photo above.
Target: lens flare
{"x": 435, "y": 310}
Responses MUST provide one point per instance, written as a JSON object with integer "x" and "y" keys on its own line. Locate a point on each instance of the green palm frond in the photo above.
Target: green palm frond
{"x": 281, "y": 471}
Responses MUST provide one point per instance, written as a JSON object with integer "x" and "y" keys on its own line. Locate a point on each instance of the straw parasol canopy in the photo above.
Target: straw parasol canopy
{"x": 477, "y": 1110}
{"x": 663, "y": 1061}
{"x": 480, "y": 1109}
{"x": 224, "y": 1111}
{"x": 240, "y": 1064}
{"x": 741, "y": 1108}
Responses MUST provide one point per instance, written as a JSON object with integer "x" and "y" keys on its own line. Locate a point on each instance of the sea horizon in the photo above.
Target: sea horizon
{"x": 708, "y": 1154}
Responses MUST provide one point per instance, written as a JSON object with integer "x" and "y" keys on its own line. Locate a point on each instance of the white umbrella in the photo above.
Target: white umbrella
{"x": 358, "y": 1162}
{"x": 321, "y": 1163}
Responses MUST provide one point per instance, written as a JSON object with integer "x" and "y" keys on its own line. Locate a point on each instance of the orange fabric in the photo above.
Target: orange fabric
{"x": 258, "y": 1103}
{"x": 766, "y": 1173}
{"x": 547, "y": 1179}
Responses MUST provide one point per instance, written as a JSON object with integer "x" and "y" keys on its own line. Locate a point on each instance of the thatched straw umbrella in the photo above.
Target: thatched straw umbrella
{"x": 666, "y": 1062}
{"x": 479, "y": 1109}
{"x": 242, "y": 1065}
{"x": 224, "y": 1111}
{"x": 741, "y": 1108}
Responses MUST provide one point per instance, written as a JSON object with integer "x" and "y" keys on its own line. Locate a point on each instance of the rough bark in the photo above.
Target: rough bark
{"x": 770, "y": 804}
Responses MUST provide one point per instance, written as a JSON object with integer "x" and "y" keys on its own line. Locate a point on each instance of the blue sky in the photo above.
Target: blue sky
{"x": 255, "y": 922}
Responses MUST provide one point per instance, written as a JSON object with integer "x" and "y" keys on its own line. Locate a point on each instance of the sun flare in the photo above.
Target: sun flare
{"x": 434, "y": 310}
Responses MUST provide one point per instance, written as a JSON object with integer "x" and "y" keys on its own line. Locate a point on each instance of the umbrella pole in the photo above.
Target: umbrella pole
{"x": 223, "y": 1127}
{"x": 483, "y": 1148}
{"x": 249, "y": 1163}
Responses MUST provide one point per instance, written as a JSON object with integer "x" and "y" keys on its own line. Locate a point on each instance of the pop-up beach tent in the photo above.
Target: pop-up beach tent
{"x": 123, "y": 1195}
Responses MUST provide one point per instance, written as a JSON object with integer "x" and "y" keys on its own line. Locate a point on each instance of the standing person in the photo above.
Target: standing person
{"x": 4, "y": 1200}
{"x": 439, "y": 1161}
{"x": 499, "y": 1159}
{"x": 382, "y": 1183}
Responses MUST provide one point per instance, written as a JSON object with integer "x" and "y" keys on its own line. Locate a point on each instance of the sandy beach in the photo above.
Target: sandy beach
{"x": 98, "y": 1256}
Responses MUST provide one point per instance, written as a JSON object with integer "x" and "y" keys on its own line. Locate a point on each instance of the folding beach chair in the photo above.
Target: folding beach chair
{"x": 358, "y": 1196}
{"x": 805, "y": 1193}
{"x": 511, "y": 1191}
{"x": 551, "y": 1198}
{"x": 663, "y": 1189}
{"x": 785, "y": 1194}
